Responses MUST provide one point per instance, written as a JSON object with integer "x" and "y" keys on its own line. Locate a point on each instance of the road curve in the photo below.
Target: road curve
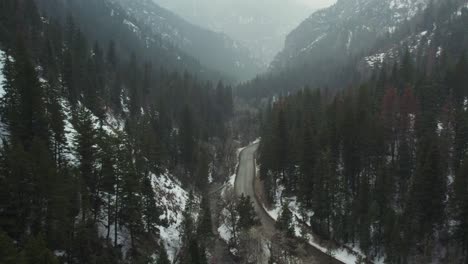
{"x": 244, "y": 184}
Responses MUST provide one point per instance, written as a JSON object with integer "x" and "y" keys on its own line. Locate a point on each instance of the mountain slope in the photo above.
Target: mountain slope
{"x": 342, "y": 45}
{"x": 344, "y": 29}
{"x": 215, "y": 50}
{"x": 153, "y": 33}
{"x": 98, "y": 146}
{"x": 260, "y": 25}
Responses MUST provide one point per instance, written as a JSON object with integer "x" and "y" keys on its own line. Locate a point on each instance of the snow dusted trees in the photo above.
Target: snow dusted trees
{"x": 375, "y": 163}
{"x": 71, "y": 174}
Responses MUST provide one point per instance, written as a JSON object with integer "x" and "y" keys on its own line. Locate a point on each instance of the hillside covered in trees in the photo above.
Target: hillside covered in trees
{"x": 92, "y": 138}
{"x": 382, "y": 166}
{"x": 118, "y": 145}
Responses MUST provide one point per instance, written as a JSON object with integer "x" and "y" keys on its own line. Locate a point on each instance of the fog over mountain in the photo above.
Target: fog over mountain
{"x": 260, "y": 25}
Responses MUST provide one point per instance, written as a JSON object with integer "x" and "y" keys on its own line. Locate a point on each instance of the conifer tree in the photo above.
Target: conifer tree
{"x": 246, "y": 211}
{"x": 163, "y": 258}
{"x": 284, "y": 221}
{"x": 461, "y": 204}
{"x": 85, "y": 146}
{"x": 8, "y": 251}
{"x": 204, "y": 224}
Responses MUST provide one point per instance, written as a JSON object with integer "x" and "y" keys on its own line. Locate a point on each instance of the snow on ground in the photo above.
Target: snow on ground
{"x": 2, "y": 55}
{"x": 312, "y": 44}
{"x": 132, "y": 26}
{"x": 232, "y": 180}
{"x": 70, "y": 132}
{"x": 256, "y": 141}
{"x": 459, "y": 12}
{"x": 375, "y": 59}
{"x": 342, "y": 254}
{"x": 123, "y": 236}
{"x": 169, "y": 194}
{"x": 172, "y": 198}
{"x": 2, "y": 92}
{"x": 224, "y": 231}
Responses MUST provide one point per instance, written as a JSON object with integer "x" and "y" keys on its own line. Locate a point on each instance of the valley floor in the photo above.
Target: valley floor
{"x": 244, "y": 184}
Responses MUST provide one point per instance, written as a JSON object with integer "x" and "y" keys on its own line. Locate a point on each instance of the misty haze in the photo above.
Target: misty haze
{"x": 233, "y": 131}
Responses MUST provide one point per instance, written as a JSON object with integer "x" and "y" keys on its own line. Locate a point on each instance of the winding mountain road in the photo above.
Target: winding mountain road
{"x": 244, "y": 184}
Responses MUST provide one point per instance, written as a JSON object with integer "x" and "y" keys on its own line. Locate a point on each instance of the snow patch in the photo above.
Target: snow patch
{"x": 132, "y": 26}
{"x": 312, "y": 44}
{"x": 375, "y": 59}
{"x": 3, "y": 129}
{"x": 439, "y": 51}
{"x": 225, "y": 233}
{"x": 172, "y": 198}
{"x": 2, "y": 79}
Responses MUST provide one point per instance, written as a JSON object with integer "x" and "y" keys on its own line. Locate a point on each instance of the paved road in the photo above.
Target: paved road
{"x": 245, "y": 185}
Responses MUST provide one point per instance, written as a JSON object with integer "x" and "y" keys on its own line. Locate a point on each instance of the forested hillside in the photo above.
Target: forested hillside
{"x": 120, "y": 134}
{"x": 156, "y": 34}
{"x": 100, "y": 147}
{"x": 214, "y": 50}
{"x": 381, "y": 166}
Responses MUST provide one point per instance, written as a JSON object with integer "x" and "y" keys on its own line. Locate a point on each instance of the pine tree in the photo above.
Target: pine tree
{"x": 246, "y": 211}
{"x": 130, "y": 203}
{"x": 36, "y": 251}
{"x": 323, "y": 193}
{"x": 8, "y": 251}
{"x": 57, "y": 122}
{"x": 85, "y": 146}
{"x": 461, "y": 204}
{"x": 284, "y": 221}
{"x": 163, "y": 258}
{"x": 308, "y": 159}
{"x": 204, "y": 224}
{"x": 25, "y": 98}
{"x": 187, "y": 141}
{"x": 427, "y": 201}
{"x": 201, "y": 179}
{"x": 151, "y": 212}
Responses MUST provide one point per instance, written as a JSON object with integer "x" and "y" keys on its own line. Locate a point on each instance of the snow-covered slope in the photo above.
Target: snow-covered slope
{"x": 344, "y": 29}
{"x": 173, "y": 199}
{"x": 212, "y": 49}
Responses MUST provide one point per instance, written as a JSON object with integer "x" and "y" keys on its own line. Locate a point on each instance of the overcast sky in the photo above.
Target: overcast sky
{"x": 317, "y": 3}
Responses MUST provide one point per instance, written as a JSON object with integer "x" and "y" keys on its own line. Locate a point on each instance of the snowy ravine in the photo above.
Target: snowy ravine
{"x": 172, "y": 198}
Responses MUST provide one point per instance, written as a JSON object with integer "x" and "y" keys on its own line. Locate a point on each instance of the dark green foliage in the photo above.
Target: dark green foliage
{"x": 246, "y": 211}
{"x": 8, "y": 251}
{"x": 373, "y": 162}
{"x": 72, "y": 179}
{"x": 85, "y": 144}
{"x": 204, "y": 229}
{"x": 285, "y": 221}
{"x": 36, "y": 251}
{"x": 461, "y": 202}
{"x": 163, "y": 258}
